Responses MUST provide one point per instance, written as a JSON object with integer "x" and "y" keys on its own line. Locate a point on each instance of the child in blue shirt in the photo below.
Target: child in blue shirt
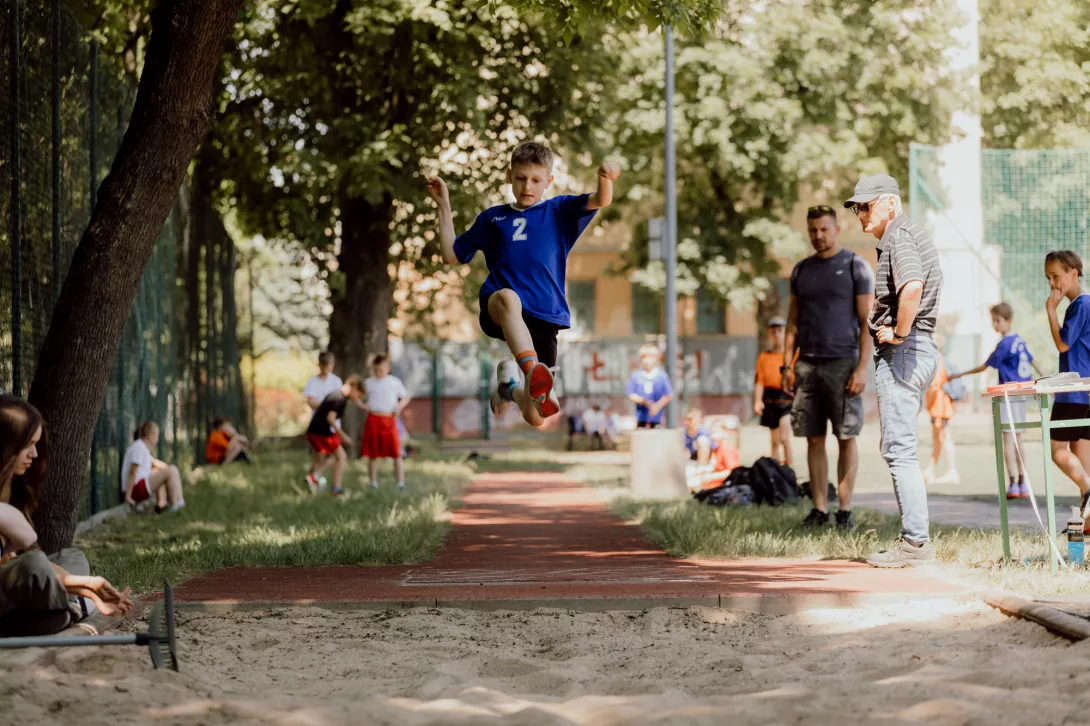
{"x": 525, "y": 246}
{"x": 1013, "y": 361}
{"x": 649, "y": 388}
{"x": 1070, "y": 447}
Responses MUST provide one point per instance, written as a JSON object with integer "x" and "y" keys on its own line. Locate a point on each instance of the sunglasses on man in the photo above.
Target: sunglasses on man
{"x": 864, "y": 206}
{"x": 819, "y": 211}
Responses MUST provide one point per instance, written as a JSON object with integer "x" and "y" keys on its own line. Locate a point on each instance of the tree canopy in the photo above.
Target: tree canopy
{"x": 797, "y": 95}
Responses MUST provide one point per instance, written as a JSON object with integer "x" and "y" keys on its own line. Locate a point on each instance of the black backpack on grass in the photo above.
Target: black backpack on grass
{"x": 773, "y": 483}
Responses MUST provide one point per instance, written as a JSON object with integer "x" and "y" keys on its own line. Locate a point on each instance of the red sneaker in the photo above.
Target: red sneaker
{"x": 539, "y": 387}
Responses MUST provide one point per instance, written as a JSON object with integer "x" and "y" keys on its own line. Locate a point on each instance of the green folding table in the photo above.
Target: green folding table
{"x": 1044, "y": 398}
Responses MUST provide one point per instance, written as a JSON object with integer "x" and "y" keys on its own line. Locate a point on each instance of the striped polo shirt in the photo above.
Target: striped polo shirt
{"x": 905, "y": 253}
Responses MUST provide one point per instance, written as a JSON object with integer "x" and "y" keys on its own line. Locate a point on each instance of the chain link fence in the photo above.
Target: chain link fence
{"x": 1032, "y": 201}
{"x": 63, "y": 112}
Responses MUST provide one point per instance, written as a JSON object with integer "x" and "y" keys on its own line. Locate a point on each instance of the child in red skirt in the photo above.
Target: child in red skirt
{"x": 386, "y": 398}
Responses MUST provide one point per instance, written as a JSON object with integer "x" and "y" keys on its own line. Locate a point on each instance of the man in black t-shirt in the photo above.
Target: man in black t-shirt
{"x": 831, "y": 296}
{"x": 326, "y": 436}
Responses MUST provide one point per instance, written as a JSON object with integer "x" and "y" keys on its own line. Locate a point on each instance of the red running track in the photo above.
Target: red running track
{"x": 531, "y": 537}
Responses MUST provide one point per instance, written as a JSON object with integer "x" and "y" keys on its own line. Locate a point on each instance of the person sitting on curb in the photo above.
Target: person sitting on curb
{"x": 699, "y": 445}
{"x": 39, "y": 594}
{"x": 225, "y": 444}
{"x": 144, "y": 477}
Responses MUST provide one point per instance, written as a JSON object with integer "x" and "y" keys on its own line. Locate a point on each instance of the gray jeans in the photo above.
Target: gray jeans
{"x": 902, "y": 374}
{"x": 32, "y": 599}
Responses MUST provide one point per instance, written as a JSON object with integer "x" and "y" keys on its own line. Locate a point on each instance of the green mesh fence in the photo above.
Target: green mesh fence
{"x": 1033, "y": 202}
{"x": 63, "y": 112}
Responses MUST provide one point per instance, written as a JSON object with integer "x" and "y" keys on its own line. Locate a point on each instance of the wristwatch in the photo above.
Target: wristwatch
{"x": 901, "y": 338}
{"x": 784, "y": 369}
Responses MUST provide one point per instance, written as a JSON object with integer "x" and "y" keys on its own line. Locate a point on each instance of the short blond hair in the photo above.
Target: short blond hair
{"x": 532, "y": 152}
{"x": 649, "y": 349}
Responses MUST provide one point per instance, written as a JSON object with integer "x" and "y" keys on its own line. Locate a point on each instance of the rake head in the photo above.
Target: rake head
{"x": 160, "y": 636}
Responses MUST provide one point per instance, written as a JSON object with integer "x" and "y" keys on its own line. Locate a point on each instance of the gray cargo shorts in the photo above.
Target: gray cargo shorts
{"x": 821, "y": 396}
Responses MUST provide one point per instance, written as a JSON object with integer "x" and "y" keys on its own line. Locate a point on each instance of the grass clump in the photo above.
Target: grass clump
{"x": 264, "y": 515}
{"x": 688, "y": 529}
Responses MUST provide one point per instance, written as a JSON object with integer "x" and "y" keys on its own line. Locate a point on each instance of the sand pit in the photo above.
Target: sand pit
{"x": 936, "y": 662}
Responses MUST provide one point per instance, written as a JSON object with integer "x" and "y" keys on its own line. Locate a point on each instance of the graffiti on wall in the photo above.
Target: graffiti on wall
{"x": 721, "y": 366}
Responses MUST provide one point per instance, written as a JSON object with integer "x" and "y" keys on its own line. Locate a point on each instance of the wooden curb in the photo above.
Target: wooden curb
{"x": 1069, "y": 626}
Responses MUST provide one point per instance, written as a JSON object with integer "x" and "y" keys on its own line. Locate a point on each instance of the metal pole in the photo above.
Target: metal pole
{"x": 56, "y": 123}
{"x": 16, "y": 205}
{"x": 670, "y": 238}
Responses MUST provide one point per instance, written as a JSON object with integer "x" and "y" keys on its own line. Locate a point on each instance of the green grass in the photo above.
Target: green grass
{"x": 688, "y": 529}
{"x": 263, "y": 515}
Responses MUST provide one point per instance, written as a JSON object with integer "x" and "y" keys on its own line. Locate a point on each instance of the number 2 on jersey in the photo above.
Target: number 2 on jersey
{"x": 520, "y": 229}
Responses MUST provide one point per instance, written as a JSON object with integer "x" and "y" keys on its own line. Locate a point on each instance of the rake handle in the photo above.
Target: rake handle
{"x": 46, "y": 641}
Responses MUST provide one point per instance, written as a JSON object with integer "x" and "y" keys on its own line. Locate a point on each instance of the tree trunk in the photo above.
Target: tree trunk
{"x": 172, "y": 113}
{"x": 357, "y": 327}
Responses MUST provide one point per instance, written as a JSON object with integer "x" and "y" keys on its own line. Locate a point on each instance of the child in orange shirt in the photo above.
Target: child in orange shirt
{"x": 770, "y": 401}
{"x": 225, "y": 444}
{"x": 940, "y": 407}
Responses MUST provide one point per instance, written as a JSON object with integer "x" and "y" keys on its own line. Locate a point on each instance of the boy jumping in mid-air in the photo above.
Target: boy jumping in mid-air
{"x": 1012, "y": 359}
{"x": 526, "y": 246}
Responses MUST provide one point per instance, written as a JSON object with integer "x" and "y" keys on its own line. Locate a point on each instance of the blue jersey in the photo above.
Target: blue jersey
{"x": 526, "y": 250}
{"x": 653, "y": 386}
{"x": 1075, "y": 334}
{"x": 690, "y": 440}
{"x": 1012, "y": 359}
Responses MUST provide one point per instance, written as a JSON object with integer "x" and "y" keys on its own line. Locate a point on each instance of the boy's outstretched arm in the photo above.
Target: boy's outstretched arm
{"x": 608, "y": 173}
{"x": 971, "y": 372}
{"x": 437, "y": 190}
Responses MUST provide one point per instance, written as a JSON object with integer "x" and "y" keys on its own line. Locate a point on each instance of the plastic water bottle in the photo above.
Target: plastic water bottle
{"x": 1075, "y": 537}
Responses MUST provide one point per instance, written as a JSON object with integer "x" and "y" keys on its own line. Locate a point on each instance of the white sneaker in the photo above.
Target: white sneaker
{"x": 507, "y": 377}
{"x": 374, "y": 485}
{"x": 401, "y": 486}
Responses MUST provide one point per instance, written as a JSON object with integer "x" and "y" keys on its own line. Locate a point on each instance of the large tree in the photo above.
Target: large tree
{"x": 1035, "y": 73}
{"x": 774, "y": 100}
{"x": 172, "y": 113}
{"x": 332, "y": 113}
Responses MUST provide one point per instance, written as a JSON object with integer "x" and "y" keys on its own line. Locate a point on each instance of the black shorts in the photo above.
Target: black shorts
{"x": 1063, "y": 411}
{"x": 648, "y": 424}
{"x": 821, "y": 399}
{"x": 774, "y": 413}
{"x": 542, "y": 333}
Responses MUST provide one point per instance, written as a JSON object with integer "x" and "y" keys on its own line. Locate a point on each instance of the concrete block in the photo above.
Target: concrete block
{"x": 658, "y": 464}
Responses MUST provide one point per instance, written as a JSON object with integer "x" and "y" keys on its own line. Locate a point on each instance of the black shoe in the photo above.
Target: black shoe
{"x": 844, "y": 519}
{"x": 816, "y": 518}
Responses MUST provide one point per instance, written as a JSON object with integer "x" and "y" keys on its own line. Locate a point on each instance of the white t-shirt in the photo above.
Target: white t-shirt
{"x": 318, "y": 389}
{"x": 593, "y": 421}
{"x": 384, "y": 393}
{"x": 139, "y": 454}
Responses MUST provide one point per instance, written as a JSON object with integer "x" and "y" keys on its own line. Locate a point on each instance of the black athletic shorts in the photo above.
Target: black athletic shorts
{"x": 774, "y": 413}
{"x": 542, "y": 333}
{"x": 648, "y": 424}
{"x": 1063, "y": 411}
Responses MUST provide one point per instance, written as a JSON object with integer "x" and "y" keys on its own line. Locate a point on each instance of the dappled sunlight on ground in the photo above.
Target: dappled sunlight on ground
{"x": 935, "y": 661}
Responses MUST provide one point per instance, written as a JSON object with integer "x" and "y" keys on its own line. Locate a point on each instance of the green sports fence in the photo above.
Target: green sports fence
{"x": 1033, "y": 201}
{"x": 63, "y": 112}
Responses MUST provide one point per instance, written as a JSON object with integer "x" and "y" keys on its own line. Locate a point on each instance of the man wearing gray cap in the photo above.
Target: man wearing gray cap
{"x": 902, "y": 321}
